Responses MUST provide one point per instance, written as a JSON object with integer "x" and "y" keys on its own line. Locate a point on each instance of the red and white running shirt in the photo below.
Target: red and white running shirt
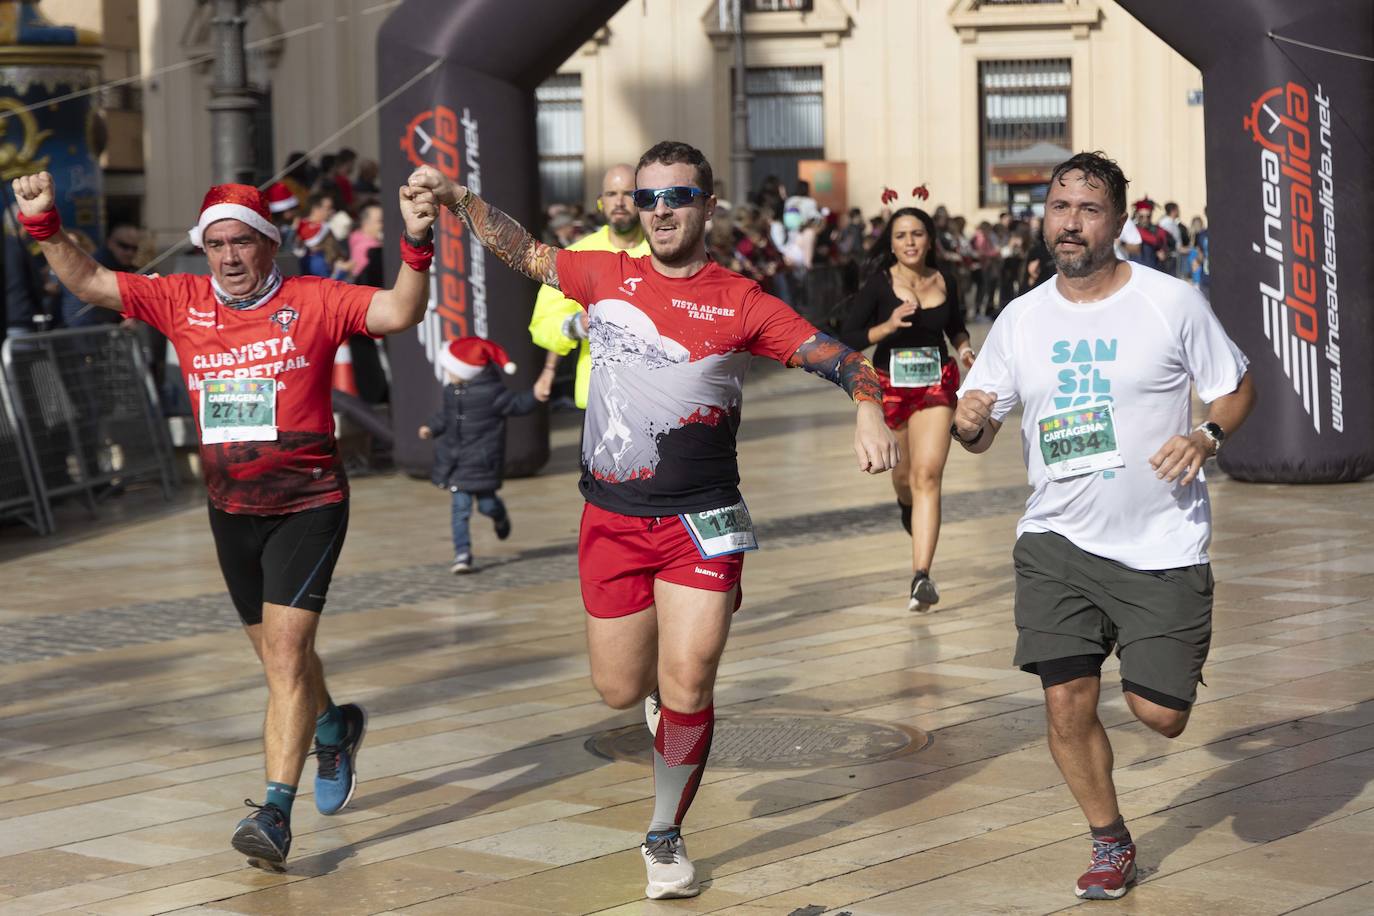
{"x": 291, "y": 338}
{"x": 668, "y": 362}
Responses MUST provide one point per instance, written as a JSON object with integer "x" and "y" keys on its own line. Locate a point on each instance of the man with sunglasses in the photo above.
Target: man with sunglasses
{"x": 559, "y": 324}
{"x": 664, "y": 530}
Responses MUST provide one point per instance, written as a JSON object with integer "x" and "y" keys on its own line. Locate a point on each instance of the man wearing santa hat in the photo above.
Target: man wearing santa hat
{"x": 257, "y": 352}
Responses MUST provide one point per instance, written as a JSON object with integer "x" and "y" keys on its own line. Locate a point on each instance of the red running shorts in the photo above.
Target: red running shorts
{"x": 620, "y": 556}
{"x": 900, "y": 403}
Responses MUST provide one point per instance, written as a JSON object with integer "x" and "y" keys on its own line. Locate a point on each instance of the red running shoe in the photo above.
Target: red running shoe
{"x": 1112, "y": 871}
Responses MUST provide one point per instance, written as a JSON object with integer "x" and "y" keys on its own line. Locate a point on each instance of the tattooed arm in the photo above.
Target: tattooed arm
{"x": 830, "y": 359}
{"x": 498, "y": 233}
{"x": 874, "y": 443}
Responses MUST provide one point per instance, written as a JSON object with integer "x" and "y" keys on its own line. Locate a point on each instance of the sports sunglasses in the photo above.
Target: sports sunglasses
{"x": 676, "y": 197}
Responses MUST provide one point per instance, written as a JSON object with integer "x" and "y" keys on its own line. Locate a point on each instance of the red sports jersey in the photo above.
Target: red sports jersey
{"x": 292, "y": 339}
{"x": 668, "y": 363}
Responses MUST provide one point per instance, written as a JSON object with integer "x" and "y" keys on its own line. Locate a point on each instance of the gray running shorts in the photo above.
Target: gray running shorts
{"x": 1070, "y": 602}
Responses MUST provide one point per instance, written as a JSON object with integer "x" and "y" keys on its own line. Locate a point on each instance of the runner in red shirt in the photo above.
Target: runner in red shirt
{"x": 665, "y": 528}
{"x": 257, "y": 351}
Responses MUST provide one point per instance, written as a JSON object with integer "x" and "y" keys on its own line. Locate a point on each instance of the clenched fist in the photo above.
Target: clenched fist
{"x": 973, "y": 412}
{"x": 418, "y": 210}
{"x": 429, "y": 179}
{"x": 36, "y": 194}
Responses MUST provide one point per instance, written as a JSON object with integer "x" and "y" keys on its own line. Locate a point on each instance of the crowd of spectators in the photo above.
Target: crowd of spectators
{"x": 812, "y": 257}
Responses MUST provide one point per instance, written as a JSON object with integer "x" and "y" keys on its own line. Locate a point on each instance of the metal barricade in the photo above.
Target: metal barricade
{"x": 18, "y": 491}
{"x": 84, "y": 404}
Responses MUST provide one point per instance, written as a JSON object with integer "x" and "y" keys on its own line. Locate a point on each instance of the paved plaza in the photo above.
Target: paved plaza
{"x": 869, "y": 760}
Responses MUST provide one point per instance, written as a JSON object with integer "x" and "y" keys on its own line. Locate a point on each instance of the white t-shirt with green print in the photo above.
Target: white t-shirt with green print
{"x": 1103, "y": 385}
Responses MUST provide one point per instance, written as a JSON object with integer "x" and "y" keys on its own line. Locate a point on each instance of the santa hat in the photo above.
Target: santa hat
{"x": 234, "y": 201}
{"x": 466, "y": 357}
{"x": 312, "y": 234}
{"x": 280, "y": 199}
{"x": 1145, "y": 204}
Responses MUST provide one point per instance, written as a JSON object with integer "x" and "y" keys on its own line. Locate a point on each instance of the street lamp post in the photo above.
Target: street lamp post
{"x": 231, "y": 107}
{"x": 741, "y": 159}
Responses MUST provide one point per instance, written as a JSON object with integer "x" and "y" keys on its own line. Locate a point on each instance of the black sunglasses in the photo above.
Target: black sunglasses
{"x": 676, "y": 197}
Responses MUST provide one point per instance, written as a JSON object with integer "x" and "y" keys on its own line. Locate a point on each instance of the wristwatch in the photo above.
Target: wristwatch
{"x": 1214, "y": 432}
{"x": 954, "y": 434}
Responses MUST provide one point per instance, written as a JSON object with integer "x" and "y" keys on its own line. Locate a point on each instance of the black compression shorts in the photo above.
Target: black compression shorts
{"x": 279, "y": 559}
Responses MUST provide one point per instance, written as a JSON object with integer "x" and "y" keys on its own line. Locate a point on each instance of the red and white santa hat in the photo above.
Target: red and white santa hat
{"x": 242, "y": 202}
{"x": 312, "y": 234}
{"x": 280, "y": 199}
{"x": 466, "y": 357}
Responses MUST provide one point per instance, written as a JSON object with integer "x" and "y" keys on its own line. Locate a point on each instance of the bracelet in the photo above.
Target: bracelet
{"x": 417, "y": 257}
{"x": 43, "y": 226}
{"x": 460, "y": 206}
{"x": 954, "y": 434}
{"x": 968, "y": 349}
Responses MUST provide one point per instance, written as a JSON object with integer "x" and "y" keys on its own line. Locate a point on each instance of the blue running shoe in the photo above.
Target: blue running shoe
{"x": 338, "y": 773}
{"x": 263, "y": 836}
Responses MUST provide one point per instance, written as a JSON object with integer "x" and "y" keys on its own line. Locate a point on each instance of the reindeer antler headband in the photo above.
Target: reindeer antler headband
{"x": 890, "y": 195}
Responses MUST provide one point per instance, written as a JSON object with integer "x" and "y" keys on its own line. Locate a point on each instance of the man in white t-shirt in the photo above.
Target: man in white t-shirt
{"x": 1112, "y": 549}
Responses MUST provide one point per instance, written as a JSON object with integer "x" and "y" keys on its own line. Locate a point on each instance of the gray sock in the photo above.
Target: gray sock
{"x": 681, "y": 746}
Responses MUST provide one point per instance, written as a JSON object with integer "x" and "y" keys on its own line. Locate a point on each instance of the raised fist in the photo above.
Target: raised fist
{"x": 36, "y": 194}
{"x": 428, "y": 178}
{"x": 418, "y": 210}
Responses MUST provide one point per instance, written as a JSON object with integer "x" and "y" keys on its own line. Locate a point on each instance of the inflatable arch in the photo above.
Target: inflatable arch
{"x": 1290, "y": 182}
{"x": 473, "y": 118}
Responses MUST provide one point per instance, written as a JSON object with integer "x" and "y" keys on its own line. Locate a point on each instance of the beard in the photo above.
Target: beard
{"x": 687, "y": 244}
{"x": 622, "y": 222}
{"x": 1083, "y": 261}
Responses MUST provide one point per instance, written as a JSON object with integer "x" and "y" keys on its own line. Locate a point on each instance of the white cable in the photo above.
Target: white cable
{"x": 182, "y": 65}
{"x": 1294, "y": 41}
{"x": 366, "y": 113}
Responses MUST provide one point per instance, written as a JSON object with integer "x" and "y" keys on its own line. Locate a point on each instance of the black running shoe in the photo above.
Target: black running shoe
{"x": 924, "y": 594}
{"x": 906, "y": 515}
{"x": 503, "y": 527}
{"x": 263, "y": 836}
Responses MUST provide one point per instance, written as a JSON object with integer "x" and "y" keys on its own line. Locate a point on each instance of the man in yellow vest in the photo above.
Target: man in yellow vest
{"x": 559, "y": 323}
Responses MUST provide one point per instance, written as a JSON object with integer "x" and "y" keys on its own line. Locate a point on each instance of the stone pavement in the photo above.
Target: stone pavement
{"x": 869, "y": 761}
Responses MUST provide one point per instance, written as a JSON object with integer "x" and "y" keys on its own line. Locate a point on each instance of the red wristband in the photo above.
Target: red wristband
{"x": 417, "y": 257}
{"x": 44, "y": 225}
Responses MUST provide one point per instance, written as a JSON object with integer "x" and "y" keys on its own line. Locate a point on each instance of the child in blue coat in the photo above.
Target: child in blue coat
{"x": 469, "y": 433}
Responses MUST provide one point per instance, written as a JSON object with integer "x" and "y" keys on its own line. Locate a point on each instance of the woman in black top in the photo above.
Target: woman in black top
{"x": 909, "y": 307}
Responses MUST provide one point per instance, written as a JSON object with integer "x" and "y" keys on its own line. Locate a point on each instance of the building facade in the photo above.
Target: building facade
{"x": 959, "y": 95}
{"x": 971, "y": 97}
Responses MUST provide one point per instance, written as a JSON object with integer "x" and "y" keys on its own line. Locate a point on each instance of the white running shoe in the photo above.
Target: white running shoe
{"x": 671, "y": 873}
{"x": 651, "y": 713}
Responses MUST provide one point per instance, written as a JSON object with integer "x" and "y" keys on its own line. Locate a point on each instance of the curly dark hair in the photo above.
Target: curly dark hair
{"x": 672, "y": 152}
{"x": 1099, "y": 170}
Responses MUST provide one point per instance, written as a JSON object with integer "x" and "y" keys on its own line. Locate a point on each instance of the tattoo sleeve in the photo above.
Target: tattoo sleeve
{"x": 508, "y": 240}
{"x": 850, "y": 369}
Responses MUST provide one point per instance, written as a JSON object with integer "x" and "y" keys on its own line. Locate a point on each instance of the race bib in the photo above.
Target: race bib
{"x": 914, "y": 367}
{"x": 1079, "y": 441}
{"x": 238, "y": 410}
{"x": 718, "y": 532}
